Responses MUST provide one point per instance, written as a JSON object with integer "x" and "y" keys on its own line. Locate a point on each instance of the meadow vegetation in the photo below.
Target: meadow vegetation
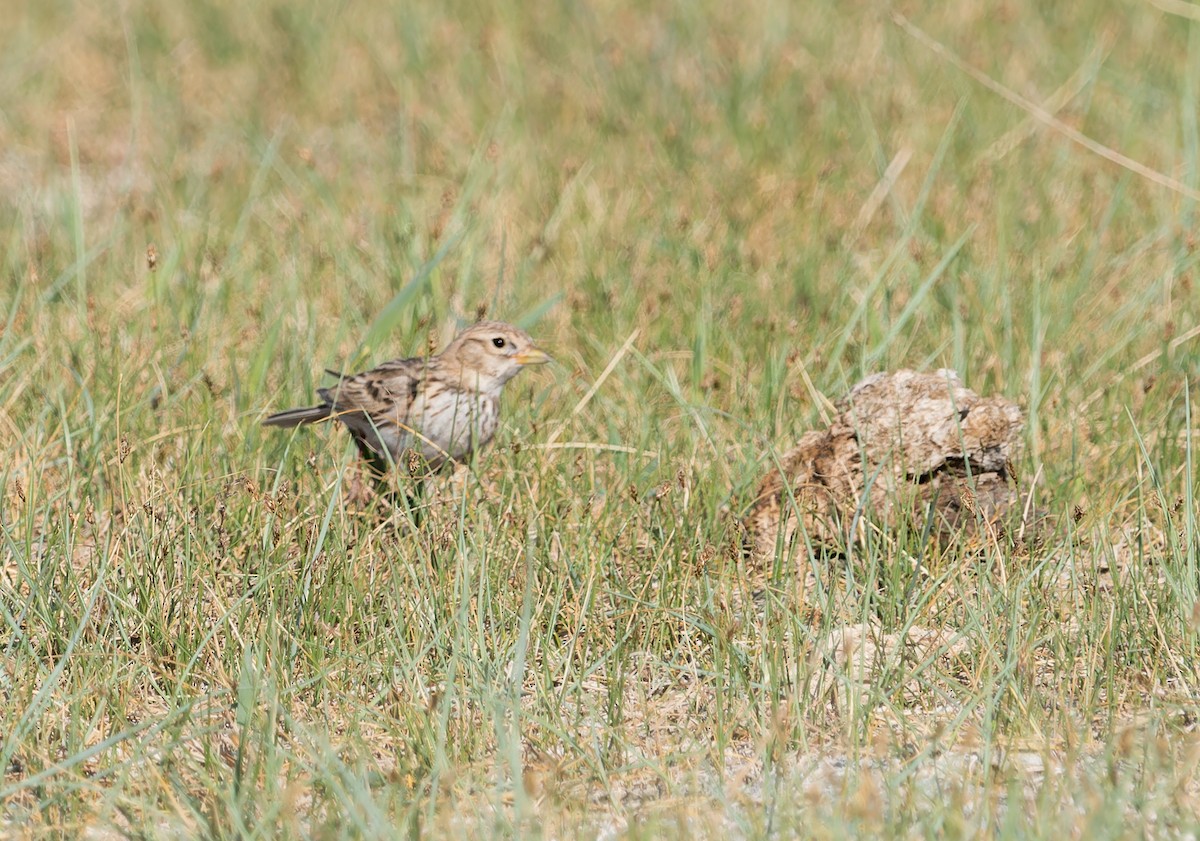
{"x": 717, "y": 217}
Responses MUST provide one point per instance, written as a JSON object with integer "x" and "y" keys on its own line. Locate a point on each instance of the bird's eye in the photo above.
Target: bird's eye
{"x": 498, "y": 341}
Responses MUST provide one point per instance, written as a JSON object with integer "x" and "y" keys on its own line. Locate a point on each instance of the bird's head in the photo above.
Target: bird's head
{"x": 491, "y": 353}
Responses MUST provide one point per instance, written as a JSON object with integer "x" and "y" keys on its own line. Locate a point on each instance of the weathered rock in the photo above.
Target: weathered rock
{"x": 857, "y": 656}
{"x": 926, "y": 445}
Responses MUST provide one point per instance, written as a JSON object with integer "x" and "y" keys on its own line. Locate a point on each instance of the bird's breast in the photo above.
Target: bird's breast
{"x": 454, "y": 423}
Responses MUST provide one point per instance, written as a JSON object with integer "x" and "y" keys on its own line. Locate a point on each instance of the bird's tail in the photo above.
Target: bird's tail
{"x": 298, "y": 417}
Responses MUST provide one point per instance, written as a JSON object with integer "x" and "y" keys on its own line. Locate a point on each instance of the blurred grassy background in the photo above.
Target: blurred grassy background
{"x": 741, "y": 208}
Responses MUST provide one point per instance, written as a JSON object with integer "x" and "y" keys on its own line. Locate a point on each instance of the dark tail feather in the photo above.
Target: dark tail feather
{"x": 298, "y": 417}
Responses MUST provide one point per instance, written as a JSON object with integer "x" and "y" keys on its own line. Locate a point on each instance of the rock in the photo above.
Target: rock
{"x": 859, "y": 655}
{"x": 924, "y": 443}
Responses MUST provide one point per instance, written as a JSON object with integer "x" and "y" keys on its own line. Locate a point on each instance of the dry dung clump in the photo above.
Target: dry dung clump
{"x": 927, "y": 445}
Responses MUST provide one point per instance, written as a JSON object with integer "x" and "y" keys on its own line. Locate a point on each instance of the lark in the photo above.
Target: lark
{"x": 426, "y": 412}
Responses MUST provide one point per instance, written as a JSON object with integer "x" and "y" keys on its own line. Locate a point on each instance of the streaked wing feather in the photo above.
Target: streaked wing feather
{"x": 375, "y": 405}
{"x": 380, "y": 391}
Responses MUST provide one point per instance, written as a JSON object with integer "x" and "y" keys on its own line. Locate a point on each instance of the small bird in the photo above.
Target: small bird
{"x": 426, "y": 412}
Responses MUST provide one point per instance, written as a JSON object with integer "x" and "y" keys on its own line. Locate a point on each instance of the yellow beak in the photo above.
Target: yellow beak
{"x": 532, "y": 356}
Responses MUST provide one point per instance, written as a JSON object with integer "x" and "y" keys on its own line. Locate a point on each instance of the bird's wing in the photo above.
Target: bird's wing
{"x": 384, "y": 392}
{"x": 377, "y": 405}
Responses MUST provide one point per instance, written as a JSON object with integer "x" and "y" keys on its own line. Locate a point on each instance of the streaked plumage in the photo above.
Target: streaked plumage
{"x": 438, "y": 408}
